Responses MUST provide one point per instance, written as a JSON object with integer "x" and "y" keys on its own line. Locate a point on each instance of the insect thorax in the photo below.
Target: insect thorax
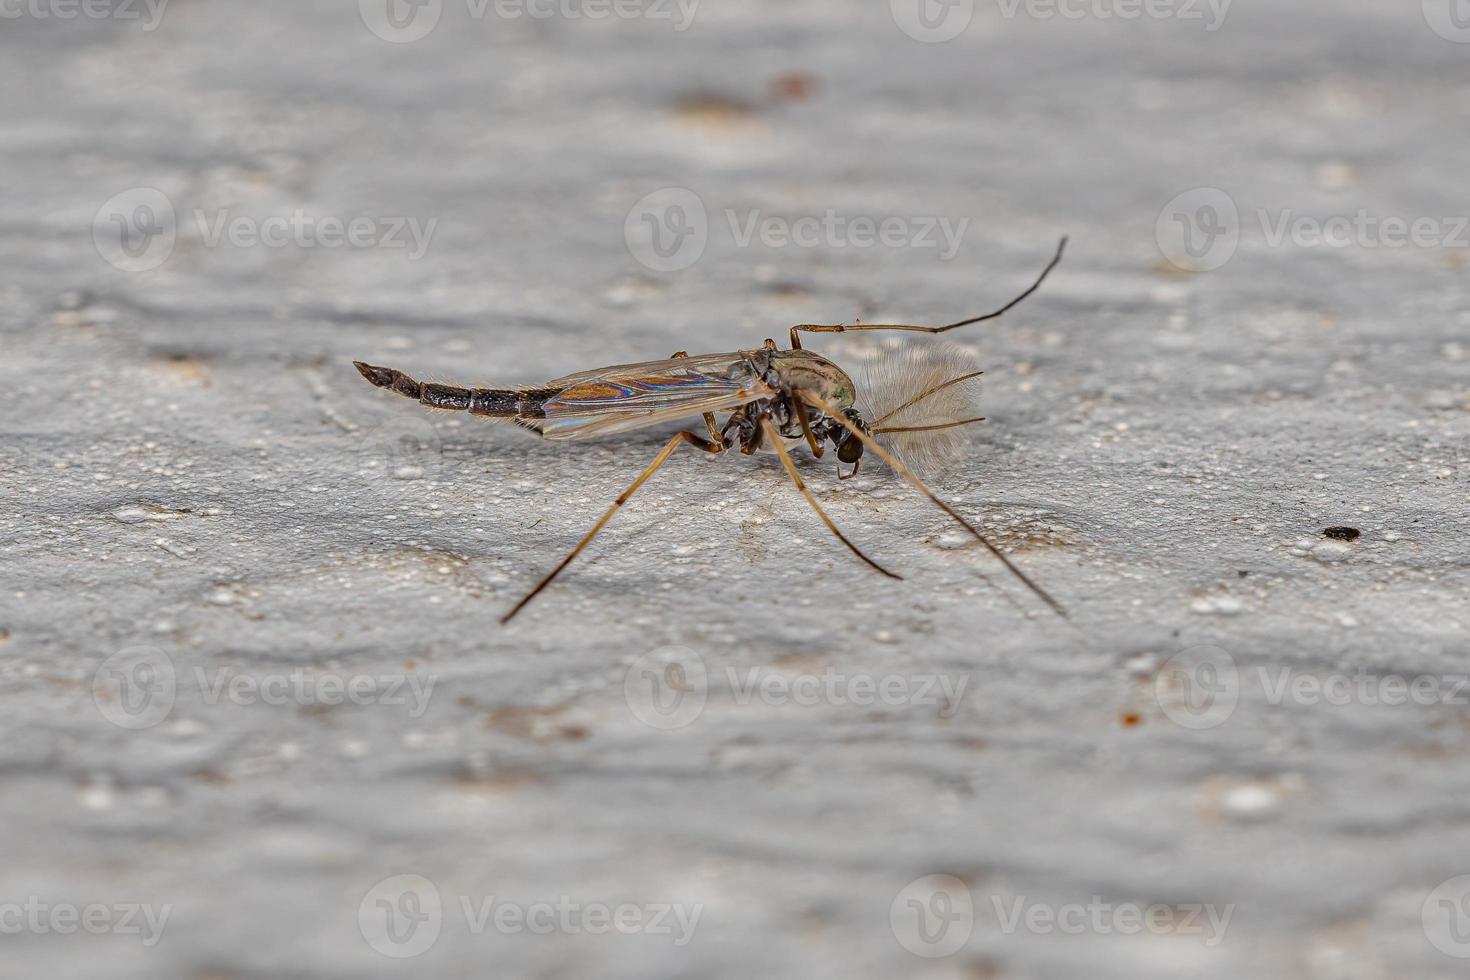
{"x": 801, "y": 370}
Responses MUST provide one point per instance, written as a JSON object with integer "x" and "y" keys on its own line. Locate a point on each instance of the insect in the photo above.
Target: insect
{"x": 776, "y": 400}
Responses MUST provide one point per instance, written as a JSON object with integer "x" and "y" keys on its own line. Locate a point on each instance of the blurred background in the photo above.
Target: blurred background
{"x": 259, "y": 719}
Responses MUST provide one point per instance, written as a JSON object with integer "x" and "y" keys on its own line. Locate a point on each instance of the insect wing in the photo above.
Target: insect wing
{"x": 705, "y": 364}
{"x": 634, "y": 396}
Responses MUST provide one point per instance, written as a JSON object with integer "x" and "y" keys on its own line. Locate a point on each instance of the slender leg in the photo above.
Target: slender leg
{"x": 659, "y": 460}
{"x": 709, "y": 418}
{"x": 775, "y": 438}
{"x": 848, "y": 476}
{"x": 843, "y": 328}
{"x": 918, "y": 484}
{"x": 798, "y": 407}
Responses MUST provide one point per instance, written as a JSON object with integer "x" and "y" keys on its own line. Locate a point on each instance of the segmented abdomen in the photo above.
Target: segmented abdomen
{"x": 521, "y": 404}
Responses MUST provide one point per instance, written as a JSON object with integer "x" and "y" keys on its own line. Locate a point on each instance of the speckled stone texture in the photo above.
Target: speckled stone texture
{"x": 252, "y": 669}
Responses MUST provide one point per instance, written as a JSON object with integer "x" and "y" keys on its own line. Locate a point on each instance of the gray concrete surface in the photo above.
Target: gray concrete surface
{"x": 211, "y": 530}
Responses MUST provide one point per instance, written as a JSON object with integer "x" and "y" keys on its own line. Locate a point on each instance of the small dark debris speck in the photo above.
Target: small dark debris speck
{"x": 1343, "y": 533}
{"x": 793, "y": 86}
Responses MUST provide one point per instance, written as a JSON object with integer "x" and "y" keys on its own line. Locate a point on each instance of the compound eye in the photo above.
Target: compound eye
{"x": 851, "y": 450}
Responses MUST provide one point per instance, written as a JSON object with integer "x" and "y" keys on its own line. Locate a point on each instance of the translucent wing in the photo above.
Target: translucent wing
{"x": 633, "y": 396}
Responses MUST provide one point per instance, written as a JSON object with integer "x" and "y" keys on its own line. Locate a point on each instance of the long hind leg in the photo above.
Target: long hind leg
{"x": 775, "y": 438}
{"x": 659, "y": 460}
{"x": 837, "y": 416}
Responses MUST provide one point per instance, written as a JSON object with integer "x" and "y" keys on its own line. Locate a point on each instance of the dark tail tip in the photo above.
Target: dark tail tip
{"x": 389, "y": 378}
{"x": 382, "y": 377}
